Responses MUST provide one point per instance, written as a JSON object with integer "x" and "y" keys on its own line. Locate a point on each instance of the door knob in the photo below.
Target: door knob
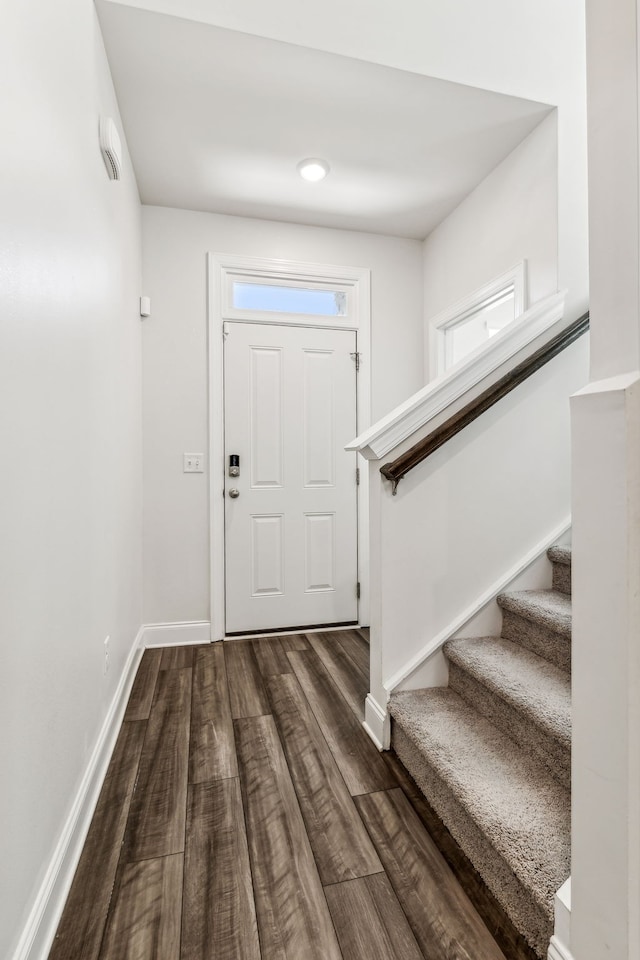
{"x": 234, "y": 493}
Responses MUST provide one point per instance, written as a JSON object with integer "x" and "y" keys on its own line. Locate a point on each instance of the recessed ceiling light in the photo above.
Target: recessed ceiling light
{"x": 313, "y": 169}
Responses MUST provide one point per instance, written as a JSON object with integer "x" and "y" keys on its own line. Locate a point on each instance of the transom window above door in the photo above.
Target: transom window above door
{"x": 271, "y": 296}
{"x": 291, "y": 297}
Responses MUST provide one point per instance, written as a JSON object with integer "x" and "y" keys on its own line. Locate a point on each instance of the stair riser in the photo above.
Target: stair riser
{"x": 562, "y": 578}
{"x": 532, "y": 919}
{"x": 538, "y": 743}
{"x": 540, "y": 639}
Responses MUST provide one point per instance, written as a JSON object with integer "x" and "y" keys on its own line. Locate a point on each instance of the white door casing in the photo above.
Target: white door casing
{"x": 291, "y": 526}
{"x": 222, "y": 271}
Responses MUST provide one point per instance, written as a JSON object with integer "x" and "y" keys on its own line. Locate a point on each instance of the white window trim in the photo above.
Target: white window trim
{"x": 222, "y": 269}
{"x": 516, "y": 277}
{"x": 342, "y": 321}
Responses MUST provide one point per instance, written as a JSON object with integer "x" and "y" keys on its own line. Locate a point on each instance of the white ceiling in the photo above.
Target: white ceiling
{"x": 217, "y": 120}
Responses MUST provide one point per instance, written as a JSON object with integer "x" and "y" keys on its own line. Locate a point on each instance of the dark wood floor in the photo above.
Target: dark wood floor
{"x": 247, "y": 816}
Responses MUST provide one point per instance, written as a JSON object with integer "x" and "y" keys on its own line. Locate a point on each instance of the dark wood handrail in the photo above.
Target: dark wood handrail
{"x": 400, "y": 467}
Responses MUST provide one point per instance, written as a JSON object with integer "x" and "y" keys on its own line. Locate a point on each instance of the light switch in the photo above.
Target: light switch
{"x": 193, "y": 463}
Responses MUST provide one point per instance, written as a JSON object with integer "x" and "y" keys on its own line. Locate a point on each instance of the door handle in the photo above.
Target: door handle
{"x": 234, "y": 493}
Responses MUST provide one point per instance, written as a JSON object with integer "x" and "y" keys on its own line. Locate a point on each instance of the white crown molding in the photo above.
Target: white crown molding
{"x": 423, "y": 406}
{"x": 40, "y": 928}
{"x": 433, "y": 645}
{"x": 288, "y": 269}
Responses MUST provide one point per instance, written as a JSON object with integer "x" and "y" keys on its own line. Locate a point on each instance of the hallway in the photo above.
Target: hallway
{"x": 246, "y": 815}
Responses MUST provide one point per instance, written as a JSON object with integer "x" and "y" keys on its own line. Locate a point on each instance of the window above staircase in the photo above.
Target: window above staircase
{"x": 473, "y": 321}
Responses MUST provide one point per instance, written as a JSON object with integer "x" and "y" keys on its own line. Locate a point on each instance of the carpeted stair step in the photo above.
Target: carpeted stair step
{"x": 561, "y": 559}
{"x": 508, "y": 814}
{"x": 524, "y": 695}
{"x": 541, "y": 621}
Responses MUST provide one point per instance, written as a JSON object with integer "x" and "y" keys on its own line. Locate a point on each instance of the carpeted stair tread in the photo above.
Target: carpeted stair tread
{"x": 547, "y": 608}
{"x": 518, "y": 807}
{"x": 525, "y": 681}
{"x": 560, "y": 554}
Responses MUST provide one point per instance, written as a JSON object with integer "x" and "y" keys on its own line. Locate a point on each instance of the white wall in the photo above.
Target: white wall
{"x": 605, "y": 889}
{"x": 175, "y": 244}
{"x": 605, "y": 761}
{"x": 614, "y": 186}
{"x": 511, "y": 216}
{"x": 473, "y": 510}
{"x": 70, "y": 512}
{"x": 533, "y": 49}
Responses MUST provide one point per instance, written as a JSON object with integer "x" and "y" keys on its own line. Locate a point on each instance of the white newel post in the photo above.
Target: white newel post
{"x": 605, "y": 908}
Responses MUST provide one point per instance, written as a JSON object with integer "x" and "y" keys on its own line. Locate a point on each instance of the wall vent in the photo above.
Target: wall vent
{"x": 111, "y": 148}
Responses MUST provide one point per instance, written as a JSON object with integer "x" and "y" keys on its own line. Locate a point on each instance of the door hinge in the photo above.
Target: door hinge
{"x": 358, "y": 590}
{"x": 356, "y": 358}
{"x": 225, "y": 331}
{"x": 357, "y": 476}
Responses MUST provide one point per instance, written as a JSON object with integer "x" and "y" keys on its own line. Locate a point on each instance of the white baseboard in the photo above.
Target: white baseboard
{"x": 199, "y": 631}
{"x": 176, "y": 634}
{"x": 377, "y": 723}
{"x": 40, "y": 929}
{"x": 558, "y": 951}
{"x": 474, "y": 608}
{"x": 562, "y": 915}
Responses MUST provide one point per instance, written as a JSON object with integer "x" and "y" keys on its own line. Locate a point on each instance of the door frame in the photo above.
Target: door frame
{"x": 221, "y": 269}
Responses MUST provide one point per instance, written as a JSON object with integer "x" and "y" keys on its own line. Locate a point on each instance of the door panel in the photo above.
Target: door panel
{"x": 266, "y": 423}
{"x": 319, "y": 419}
{"x": 319, "y": 551}
{"x": 267, "y": 554}
{"x": 291, "y": 533}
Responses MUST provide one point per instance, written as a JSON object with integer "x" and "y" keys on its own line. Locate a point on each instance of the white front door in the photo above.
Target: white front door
{"x": 291, "y": 514}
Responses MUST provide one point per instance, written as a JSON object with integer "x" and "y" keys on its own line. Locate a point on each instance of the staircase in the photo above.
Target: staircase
{"x": 491, "y": 752}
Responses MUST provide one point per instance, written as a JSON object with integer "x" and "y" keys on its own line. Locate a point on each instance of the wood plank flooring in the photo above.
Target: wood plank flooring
{"x": 219, "y": 916}
{"x": 246, "y": 815}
